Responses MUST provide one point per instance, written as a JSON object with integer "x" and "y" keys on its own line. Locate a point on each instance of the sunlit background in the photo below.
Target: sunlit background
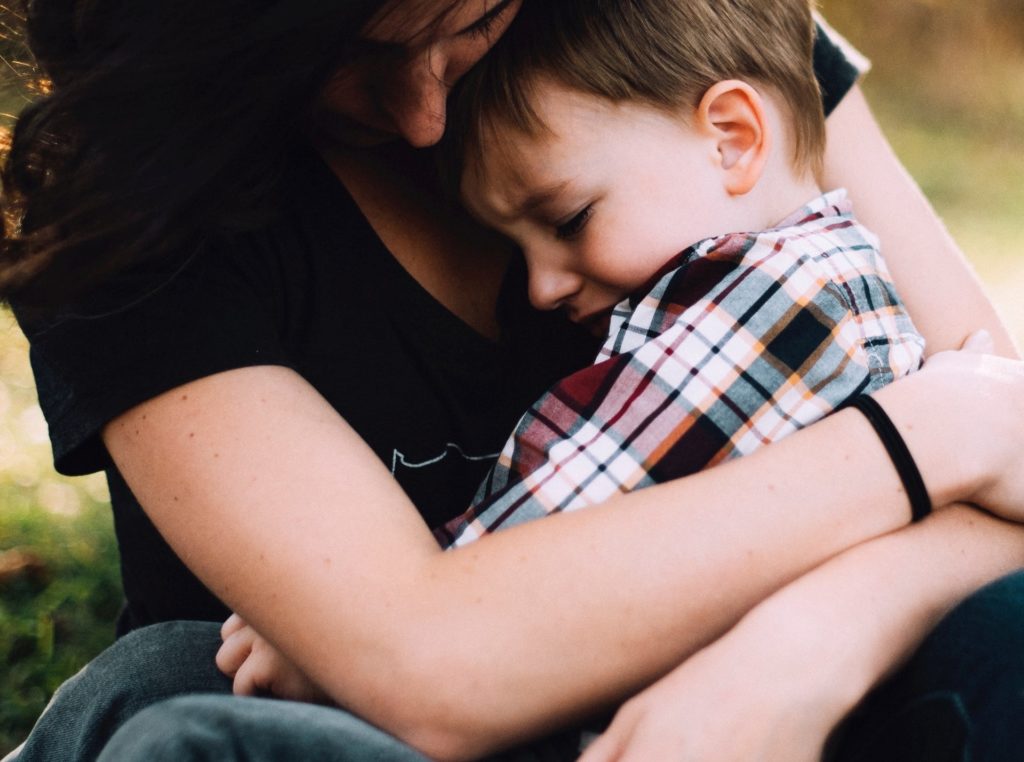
{"x": 947, "y": 85}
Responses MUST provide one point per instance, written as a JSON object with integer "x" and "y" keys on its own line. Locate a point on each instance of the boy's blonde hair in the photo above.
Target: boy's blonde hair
{"x": 664, "y": 53}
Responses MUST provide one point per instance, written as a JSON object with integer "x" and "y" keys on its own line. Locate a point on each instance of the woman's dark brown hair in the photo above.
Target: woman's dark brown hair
{"x": 163, "y": 123}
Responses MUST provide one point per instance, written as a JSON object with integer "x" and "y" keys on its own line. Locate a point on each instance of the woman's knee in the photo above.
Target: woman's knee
{"x": 156, "y": 662}
{"x": 201, "y": 728}
{"x": 175, "y": 729}
{"x": 145, "y": 666}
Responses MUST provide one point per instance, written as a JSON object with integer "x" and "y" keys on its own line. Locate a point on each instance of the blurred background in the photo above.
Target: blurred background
{"x": 947, "y": 84}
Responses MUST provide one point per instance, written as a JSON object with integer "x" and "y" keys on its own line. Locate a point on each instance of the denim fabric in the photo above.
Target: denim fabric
{"x": 959, "y": 699}
{"x": 218, "y": 728}
{"x": 144, "y": 667}
{"x": 961, "y": 696}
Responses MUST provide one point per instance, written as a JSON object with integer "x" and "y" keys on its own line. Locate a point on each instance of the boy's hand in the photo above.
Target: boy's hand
{"x": 259, "y": 669}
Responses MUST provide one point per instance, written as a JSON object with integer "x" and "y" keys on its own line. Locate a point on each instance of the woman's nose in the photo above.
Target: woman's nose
{"x": 418, "y": 102}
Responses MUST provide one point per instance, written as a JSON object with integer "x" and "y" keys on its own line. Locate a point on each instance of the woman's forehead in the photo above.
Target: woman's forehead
{"x": 410, "y": 21}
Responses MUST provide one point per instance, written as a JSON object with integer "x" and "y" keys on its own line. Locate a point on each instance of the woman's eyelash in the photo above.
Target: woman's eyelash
{"x": 485, "y": 25}
{"x": 574, "y": 226}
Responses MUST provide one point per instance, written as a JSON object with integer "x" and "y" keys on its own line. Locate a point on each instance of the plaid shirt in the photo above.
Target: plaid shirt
{"x": 741, "y": 340}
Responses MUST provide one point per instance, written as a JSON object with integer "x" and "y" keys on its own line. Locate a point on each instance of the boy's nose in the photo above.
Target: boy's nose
{"x": 551, "y": 288}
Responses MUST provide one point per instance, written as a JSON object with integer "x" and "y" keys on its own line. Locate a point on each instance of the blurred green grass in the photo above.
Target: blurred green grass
{"x": 60, "y": 587}
{"x": 952, "y": 104}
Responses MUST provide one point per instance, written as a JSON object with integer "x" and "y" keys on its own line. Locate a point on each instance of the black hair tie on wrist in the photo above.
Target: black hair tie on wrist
{"x": 913, "y": 483}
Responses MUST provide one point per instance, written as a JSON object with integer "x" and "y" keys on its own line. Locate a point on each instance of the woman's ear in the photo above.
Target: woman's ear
{"x": 734, "y": 113}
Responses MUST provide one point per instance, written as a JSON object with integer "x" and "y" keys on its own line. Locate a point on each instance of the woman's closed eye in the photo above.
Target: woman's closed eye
{"x": 483, "y": 26}
{"x": 574, "y": 225}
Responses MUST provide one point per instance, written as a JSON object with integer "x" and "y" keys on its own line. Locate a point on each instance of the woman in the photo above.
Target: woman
{"x": 219, "y": 375}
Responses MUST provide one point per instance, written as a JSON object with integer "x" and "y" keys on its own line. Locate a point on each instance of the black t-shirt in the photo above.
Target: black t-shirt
{"x": 315, "y": 291}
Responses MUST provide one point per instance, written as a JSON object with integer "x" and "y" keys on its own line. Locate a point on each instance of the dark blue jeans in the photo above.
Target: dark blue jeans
{"x": 961, "y": 696}
{"x": 156, "y": 695}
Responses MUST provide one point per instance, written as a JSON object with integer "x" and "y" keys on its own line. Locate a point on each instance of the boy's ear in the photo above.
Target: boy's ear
{"x": 734, "y": 113}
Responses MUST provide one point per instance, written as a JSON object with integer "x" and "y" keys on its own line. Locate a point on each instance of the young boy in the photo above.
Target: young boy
{"x": 605, "y": 138}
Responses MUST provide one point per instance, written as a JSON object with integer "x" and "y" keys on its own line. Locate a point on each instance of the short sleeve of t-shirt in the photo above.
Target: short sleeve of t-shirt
{"x": 837, "y": 64}
{"x": 213, "y": 313}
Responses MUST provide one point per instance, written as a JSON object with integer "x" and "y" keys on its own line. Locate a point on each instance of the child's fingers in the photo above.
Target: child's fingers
{"x": 231, "y": 625}
{"x": 247, "y": 679}
{"x": 234, "y": 651}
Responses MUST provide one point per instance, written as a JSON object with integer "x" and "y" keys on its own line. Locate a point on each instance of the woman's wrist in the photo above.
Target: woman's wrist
{"x": 960, "y": 417}
{"x": 896, "y": 447}
{"x": 792, "y": 644}
{"x": 951, "y": 458}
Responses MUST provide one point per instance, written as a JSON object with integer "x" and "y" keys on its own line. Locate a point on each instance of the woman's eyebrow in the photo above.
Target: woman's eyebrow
{"x": 486, "y": 18}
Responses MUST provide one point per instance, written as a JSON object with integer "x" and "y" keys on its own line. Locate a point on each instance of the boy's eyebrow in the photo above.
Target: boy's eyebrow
{"x": 540, "y": 197}
{"x": 489, "y": 16}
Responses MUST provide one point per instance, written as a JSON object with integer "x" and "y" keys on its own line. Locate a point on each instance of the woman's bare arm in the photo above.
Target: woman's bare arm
{"x": 801, "y": 660}
{"x": 293, "y": 522}
{"x": 941, "y": 290}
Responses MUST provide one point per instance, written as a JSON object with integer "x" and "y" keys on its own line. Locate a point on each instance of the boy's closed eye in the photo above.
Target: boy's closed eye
{"x": 573, "y": 226}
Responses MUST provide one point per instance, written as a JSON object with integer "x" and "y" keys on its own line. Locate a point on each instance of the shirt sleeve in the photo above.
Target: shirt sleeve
{"x": 211, "y": 314}
{"x": 837, "y": 65}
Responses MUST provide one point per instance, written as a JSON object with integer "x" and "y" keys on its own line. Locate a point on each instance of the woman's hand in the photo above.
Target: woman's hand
{"x": 962, "y": 416}
{"x": 259, "y": 669}
{"x": 747, "y": 697}
{"x": 992, "y": 408}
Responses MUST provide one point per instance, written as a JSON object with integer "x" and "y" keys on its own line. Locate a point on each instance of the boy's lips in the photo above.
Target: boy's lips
{"x": 596, "y": 322}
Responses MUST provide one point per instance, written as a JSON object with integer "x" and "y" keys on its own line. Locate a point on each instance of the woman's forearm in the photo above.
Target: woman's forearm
{"x": 777, "y": 684}
{"x": 856, "y": 618}
{"x": 513, "y": 634}
{"x": 552, "y": 620}
{"x": 529, "y": 628}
